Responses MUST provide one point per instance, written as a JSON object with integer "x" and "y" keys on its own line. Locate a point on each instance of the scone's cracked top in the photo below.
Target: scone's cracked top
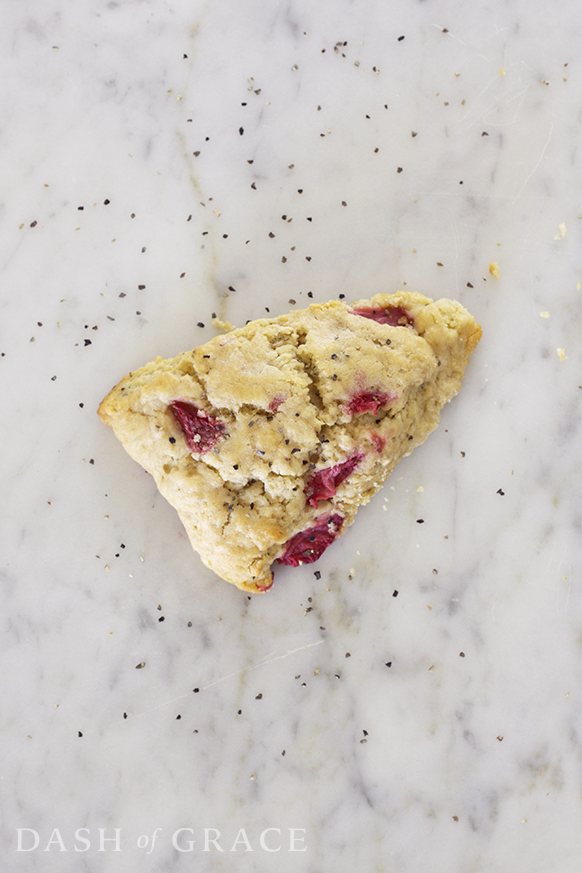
{"x": 266, "y": 440}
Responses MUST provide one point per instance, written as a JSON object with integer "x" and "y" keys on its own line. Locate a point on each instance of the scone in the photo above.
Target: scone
{"x": 267, "y": 439}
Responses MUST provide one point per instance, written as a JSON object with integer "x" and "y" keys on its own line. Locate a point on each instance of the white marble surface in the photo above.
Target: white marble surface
{"x": 418, "y": 707}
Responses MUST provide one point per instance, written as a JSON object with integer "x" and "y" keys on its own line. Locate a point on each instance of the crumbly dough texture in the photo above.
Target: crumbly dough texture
{"x": 299, "y": 420}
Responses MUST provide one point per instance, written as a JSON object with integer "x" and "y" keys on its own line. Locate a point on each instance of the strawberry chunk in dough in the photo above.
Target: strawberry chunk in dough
{"x": 324, "y": 483}
{"x": 396, "y": 316}
{"x": 202, "y": 431}
{"x": 310, "y": 544}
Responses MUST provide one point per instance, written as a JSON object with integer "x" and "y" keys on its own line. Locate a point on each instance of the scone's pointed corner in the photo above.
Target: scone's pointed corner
{"x": 110, "y": 405}
{"x": 103, "y": 412}
{"x": 247, "y": 583}
{"x": 265, "y": 584}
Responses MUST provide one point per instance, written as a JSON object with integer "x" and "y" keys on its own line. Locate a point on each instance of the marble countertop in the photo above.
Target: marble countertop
{"x": 413, "y": 701}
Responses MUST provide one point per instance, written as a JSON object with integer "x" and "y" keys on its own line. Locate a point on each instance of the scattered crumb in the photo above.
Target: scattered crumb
{"x": 494, "y": 269}
{"x": 544, "y": 314}
{"x": 561, "y": 232}
{"x": 561, "y": 354}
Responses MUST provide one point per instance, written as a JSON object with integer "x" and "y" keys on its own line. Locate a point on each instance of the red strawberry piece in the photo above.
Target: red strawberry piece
{"x": 324, "y": 483}
{"x": 276, "y": 402}
{"x": 368, "y": 401}
{"x": 202, "y": 431}
{"x": 310, "y": 544}
{"x": 396, "y": 316}
{"x": 379, "y": 441}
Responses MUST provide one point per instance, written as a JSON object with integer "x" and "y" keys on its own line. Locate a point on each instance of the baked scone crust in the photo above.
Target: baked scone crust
{"x": 288, "y": 425}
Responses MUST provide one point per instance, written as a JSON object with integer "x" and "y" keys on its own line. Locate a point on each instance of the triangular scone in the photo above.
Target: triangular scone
{"x": 267, "y": 439}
